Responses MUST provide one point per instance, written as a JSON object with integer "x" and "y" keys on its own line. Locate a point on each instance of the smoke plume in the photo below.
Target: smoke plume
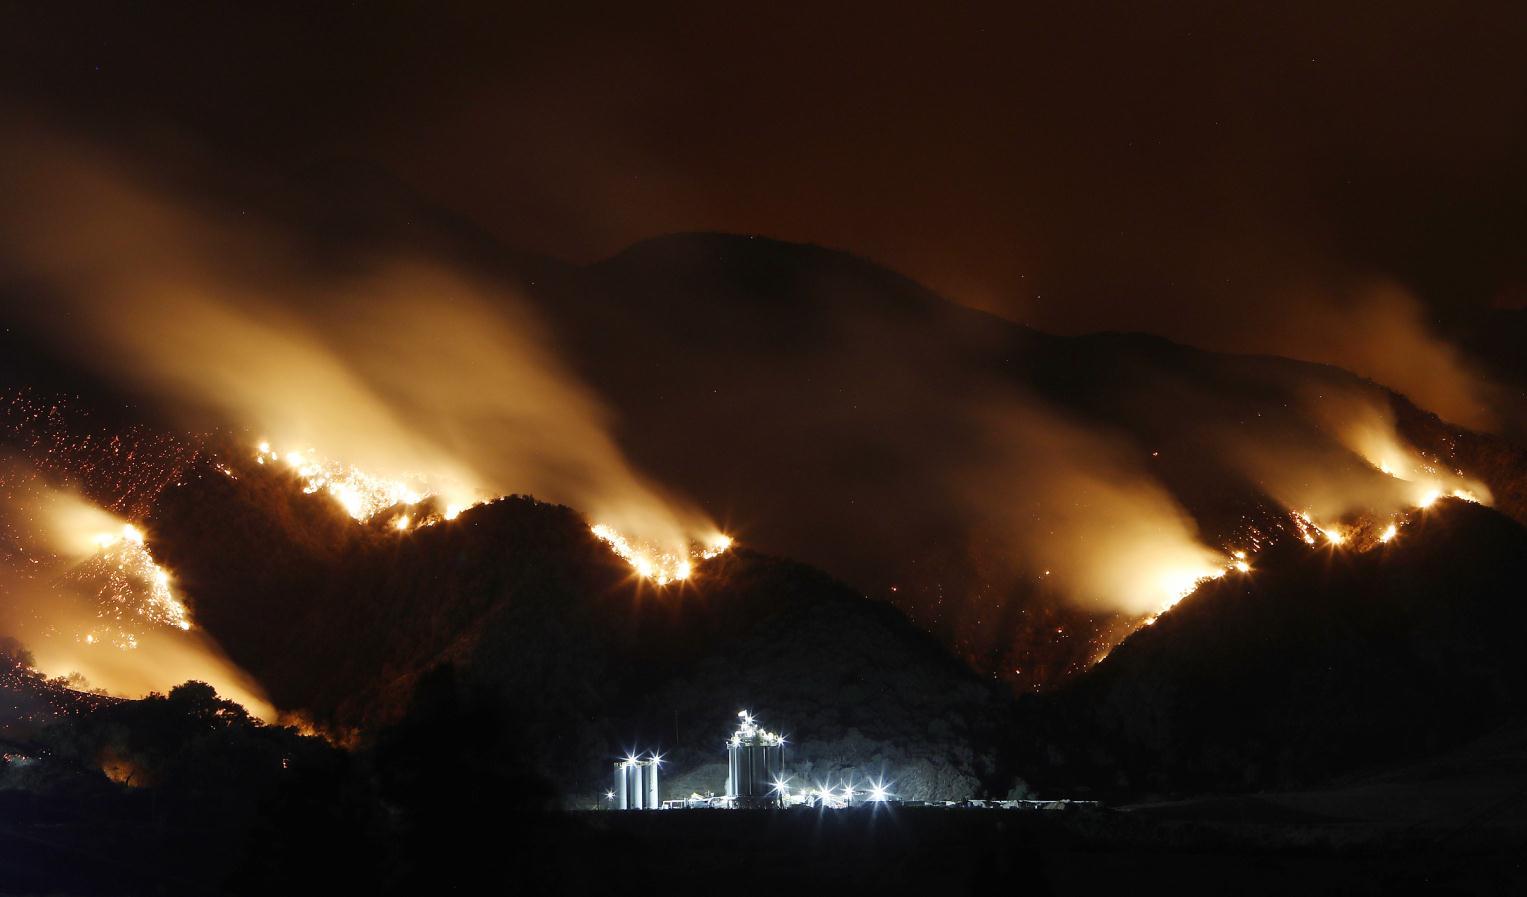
{"x": 400, "y": 366}
{"x": 1080, "y": 518}
{"x": 81, "y": 592}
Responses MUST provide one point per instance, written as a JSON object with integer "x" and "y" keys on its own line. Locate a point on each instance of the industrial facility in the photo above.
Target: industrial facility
{"x": 755, "y": 768}
{"x": 755, "y": 764}
{"x": 636, "y": 784}
{"x": 755, "y": 778}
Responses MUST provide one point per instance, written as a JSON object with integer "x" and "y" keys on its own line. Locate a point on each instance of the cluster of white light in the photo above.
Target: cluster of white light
{"x": 749, "y": 733}
{"x": 829, "y": 797}
{"x": 632, "y": 760}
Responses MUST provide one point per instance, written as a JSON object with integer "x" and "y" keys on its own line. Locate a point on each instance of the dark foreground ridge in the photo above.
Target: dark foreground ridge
{"x": 542, "y": 620}
{"x": 1316, "y": 666}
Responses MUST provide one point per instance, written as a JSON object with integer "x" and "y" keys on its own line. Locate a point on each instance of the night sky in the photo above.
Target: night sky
{"x": 1074, "y": 167}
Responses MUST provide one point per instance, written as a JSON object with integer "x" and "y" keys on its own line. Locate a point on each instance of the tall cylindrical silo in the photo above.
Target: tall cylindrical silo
{"x": 732, "y": 779}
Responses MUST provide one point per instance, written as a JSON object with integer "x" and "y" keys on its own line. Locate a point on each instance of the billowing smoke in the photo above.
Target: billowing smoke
{"x": 1080, "y": 518}
{"x": 1350, "y": 463}
{"x": 401, "y": 367}
{"x": 81, "y": 592}
{"x": 1378, "y": 332}
{"x": 853, "y": 419}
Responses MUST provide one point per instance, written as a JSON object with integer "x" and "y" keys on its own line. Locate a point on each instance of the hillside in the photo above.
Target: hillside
{"x": 1315, "y": 666}
{"x": 823, "y": 409}
{"x": 859, "y": 422}
{"x": 339, "y": 621}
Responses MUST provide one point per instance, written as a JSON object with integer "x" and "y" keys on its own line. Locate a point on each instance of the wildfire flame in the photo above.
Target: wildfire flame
{"x": 1335, "y": 536}
{"x": 126, "y": 550}
{"x": 363, "y": 495}
{"x": 1371, "y": 434}
{"x": 654, "y": 564}
{"x": 1181, "y": 583}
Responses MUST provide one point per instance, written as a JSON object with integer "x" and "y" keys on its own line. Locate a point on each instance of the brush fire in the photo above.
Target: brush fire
{"x": 659, "y": 566}
{"x": 364, "y": 496}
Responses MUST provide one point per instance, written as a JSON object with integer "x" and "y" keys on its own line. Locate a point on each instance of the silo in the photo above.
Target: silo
{"x": 622, "y": 800}
{"x": 649, "y": 780}
{"x": 633, "y": 786}
{"x": 754, "y": 764}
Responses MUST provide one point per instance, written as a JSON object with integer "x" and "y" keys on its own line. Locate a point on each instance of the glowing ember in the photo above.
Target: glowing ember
{"x": 129, "y": 571}
{"x": 715, "y": 545}
{"x": 1389, "y": 533}
{"x": 1309, "y": 529}
{"x": 661, "y": 567}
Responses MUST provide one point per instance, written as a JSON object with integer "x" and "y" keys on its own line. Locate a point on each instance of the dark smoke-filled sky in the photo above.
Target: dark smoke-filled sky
{"x": 1338, "y": 182}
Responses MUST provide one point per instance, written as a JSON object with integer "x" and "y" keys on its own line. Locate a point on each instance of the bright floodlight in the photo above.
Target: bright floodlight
{"x": 878, "y": 792}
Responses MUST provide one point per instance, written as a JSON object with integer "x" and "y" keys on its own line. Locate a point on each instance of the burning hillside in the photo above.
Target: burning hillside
{"x": 408, "y": 504}
{"x": 381, "y": 380}
{"x": 1030, "y": 499}
{"x": 1322, "y": 662}
{"x": 90, "y": 602}
{"x": 529, "y": 605}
